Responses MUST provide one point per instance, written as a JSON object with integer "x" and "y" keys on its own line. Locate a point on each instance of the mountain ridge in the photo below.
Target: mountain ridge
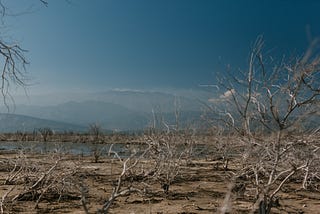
{"x": 16, "y": 122}
{"x": 118, "y": 110}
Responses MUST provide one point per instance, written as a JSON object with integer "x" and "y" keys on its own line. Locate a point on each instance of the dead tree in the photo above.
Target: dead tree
{"x": 12, "y": 60}
{"x": 266, "y": 105}
{"x": 96, "y": 131}
{"x": 45, "y": 133}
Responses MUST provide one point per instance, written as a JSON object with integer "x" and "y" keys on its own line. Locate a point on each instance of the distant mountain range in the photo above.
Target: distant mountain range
{"x": 118, "y": 110}
{"x": 115, "y": 110}
{"x": 108, "y": 115}
{"x": 14, "y": 123}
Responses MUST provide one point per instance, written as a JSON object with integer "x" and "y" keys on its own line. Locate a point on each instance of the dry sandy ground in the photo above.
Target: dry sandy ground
{"x": 200, "y": 188}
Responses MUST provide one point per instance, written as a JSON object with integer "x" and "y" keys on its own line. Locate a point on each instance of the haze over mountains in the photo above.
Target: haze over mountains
{"x": 117, "y": 110}
{"x": 14, "y": 122}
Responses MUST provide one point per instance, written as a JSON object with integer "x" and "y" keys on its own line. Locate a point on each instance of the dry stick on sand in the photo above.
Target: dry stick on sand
{"x": 126, "y": 166}
{"x": 4, "y": 198}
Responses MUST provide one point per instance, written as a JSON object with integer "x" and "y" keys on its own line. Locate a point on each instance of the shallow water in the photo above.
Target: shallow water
{"x": 85, "y": 149}
{"x": 62, "y": 147}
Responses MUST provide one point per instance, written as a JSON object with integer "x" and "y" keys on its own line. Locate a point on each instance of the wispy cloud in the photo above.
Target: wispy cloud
{"x": 225, "y": 96}
{"x": 126, "y": 90}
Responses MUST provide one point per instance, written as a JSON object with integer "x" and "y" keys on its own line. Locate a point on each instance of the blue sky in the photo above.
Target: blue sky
{"x": 145, "y": 44}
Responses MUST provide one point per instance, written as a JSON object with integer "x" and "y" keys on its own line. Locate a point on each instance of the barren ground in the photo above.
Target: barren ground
{"x": 200, "y": 187}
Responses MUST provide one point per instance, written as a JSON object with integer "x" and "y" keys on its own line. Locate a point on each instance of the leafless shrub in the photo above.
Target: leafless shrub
{"x": 309, "y": 152}
{"x": 169, "y": 152}
{"x": 45, "y": 133}
{"x": 96, "y": 131}
{"x": 96, "y": 154}
{"x": 48, "y": 178}
{"x": 225, "y": 150}
{"x": 264, "y": 107}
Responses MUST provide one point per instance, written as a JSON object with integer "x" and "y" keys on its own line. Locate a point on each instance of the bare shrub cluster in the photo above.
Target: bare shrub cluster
{"x": 159, "y": 160}
{"x": 35, "y": 179}
{"x": 169, "y": 152}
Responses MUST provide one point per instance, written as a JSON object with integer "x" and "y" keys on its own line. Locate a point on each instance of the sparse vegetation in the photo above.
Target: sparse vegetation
{"x": 260, "y": 154}
{"x": 263, "y": 131}
{"x": 164, "y": 169}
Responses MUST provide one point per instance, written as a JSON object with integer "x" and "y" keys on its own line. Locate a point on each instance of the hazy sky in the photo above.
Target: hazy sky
{"x": 101, "y": 44}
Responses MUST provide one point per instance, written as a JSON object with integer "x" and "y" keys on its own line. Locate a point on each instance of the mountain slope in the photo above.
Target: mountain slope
{"x": 14, "y": 122}
{"x": 108, "y": 115}
{"x": 143, "y": 101}
{"x": 119, "y": 109}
